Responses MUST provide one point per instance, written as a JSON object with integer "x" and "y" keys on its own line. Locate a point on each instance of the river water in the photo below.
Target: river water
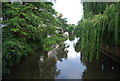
{"x": 64, "y": 62}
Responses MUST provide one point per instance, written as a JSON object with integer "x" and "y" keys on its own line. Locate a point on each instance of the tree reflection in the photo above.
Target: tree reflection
{"x": 47, "y": 64}
{"x": 48, "y": 69}
{"x": 71, "y": 37}
{"x": 103, "y": 68}
{"x": 77, "y": 46}
{"x": 38, "y": 66}
{"x": 61, "y": 54}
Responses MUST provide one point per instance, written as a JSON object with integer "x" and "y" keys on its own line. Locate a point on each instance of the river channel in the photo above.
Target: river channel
{"x": 64, "y": 62}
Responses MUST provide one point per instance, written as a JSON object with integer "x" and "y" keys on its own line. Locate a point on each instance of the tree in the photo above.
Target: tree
{"x": 100, "y": 26}
{"x": 29, "y": 27}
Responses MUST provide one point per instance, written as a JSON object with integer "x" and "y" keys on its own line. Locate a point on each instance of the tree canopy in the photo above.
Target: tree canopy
{"x": 29, "y": 27}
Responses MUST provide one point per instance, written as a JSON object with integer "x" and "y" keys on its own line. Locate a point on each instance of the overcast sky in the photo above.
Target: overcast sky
{"x": 71, "y": 9}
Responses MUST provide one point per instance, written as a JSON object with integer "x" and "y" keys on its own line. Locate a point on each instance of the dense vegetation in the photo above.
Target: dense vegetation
{"x": 100, "y": 26}
{"x": 37, "y": 26}
{"x": 29, "y": 27}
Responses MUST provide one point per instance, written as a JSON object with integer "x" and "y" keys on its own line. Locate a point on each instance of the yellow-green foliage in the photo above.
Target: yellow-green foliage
{"x": 95, "y": 30}
{"x": 90, "y": 34}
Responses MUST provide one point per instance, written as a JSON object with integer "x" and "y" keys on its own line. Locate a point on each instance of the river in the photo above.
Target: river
{"x": 64, "y": 62}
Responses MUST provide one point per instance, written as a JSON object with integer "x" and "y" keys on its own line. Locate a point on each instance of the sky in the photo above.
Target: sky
{"x": 70, "y": 9}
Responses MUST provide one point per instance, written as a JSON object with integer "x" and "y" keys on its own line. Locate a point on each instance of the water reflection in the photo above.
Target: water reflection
{"x": 64, "y": 62}
{"x": 103, "y": 68}
{"x": 77, "y": 47}
{"x": 72, "y": 54}
{"x": 72, "y": 68}
{"x": 38, "y": 66}
{"x": 47, "y": 69}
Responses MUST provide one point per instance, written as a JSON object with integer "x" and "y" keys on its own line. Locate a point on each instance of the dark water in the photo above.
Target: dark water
{"x": 64, "y": 62}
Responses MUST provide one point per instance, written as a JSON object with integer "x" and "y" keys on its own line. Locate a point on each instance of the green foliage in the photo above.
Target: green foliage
{"x": 94, "y": 8}
{"x": 27, "y": 30}
{"x": 51, "y": 41}
{"x": 90, "y": 34}
{"x": 97, "y": 28}
{"x": 70, "y": 28}
{"x": 113, "y": 27}
{"x": 13, "y": 51}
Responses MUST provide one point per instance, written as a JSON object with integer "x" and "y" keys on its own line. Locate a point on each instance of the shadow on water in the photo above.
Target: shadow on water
{"x": 34, "y": 68}
{"x": 64, "y": 62}
{"x": 103, "y": 68}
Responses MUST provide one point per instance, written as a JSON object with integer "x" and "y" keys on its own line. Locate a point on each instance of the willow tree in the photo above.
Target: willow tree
{"x": 98, "y": 27}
